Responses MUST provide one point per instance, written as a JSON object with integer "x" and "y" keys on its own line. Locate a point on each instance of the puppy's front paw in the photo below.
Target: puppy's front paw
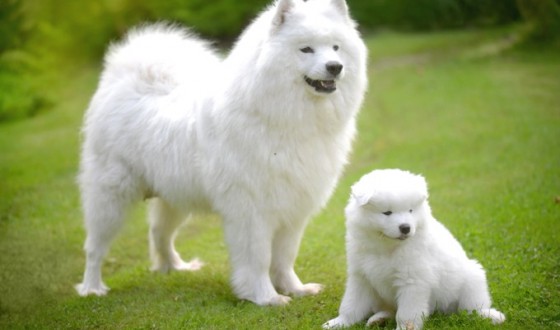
{"x": 379, "y": 318}
{"x": 408, "y": 325}
{"x": 496, "y": 316}
{"x": 336, "y": 323}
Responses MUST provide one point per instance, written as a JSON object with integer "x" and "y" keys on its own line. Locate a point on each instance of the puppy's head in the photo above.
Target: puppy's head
{"x": 390, "y": 202}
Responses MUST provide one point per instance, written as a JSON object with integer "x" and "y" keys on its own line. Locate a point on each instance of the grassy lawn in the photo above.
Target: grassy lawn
{"x": 483, "y": 127}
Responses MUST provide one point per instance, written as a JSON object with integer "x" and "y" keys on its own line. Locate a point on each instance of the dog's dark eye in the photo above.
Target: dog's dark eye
{"x": 388, "y": 213}
{"x": 410, "y": 210}
{"x": 307, "y": 50}
{"x": 335, "y": 47}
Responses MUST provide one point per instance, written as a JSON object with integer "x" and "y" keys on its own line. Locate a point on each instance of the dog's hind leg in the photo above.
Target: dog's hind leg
{"x": 164, "y": 221}
{"x": 475, "y": 296}
{"x": 284, "y": 252}
{"x": 104, "y": 213}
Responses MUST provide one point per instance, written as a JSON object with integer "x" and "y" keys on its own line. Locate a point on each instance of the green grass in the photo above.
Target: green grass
{"x": 484, "y": 130}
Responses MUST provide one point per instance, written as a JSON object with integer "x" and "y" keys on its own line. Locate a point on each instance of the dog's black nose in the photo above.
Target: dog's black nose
{"x": 405, "y": 229}
{"x": 334, "y": 68}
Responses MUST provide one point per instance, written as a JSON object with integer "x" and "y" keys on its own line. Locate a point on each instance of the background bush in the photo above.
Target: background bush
{"x": 433, "y": 14}
{"x": 40, "y": 38}
{"x": 18, "y": 97}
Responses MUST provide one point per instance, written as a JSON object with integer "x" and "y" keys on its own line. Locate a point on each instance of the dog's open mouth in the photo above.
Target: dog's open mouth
{"x": 402, "y": 237}
{"x": 321, "y": 86}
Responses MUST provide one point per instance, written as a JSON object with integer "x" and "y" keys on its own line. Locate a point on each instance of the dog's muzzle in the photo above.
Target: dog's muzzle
{"x": 321, "y": 86}
{"x": 327, "y": 85}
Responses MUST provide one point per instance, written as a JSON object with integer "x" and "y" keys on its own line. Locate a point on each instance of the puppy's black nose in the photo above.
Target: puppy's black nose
{"x": 405, "y": 229}
{"x": 334, "y": 68}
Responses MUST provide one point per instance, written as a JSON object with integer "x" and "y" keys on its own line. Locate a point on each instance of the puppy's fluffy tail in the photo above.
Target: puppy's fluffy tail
{"x": 159, "y": 57}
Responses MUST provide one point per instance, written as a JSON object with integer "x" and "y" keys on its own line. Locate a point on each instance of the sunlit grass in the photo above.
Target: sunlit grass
{"x": 484, "y": 131}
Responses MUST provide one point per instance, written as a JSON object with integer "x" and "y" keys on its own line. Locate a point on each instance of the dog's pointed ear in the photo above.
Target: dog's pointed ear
{"x": 282, "y": 8}
{"x": 342, "y": 7}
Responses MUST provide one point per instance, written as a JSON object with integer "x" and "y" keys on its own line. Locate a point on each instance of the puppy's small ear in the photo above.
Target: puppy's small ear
{"x": 422, "y": 185}
{"x": 282, "y": 8}
{"x": 361, "y": 199}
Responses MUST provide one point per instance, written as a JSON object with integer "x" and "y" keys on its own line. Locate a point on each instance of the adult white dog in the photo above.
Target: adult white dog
{"x": 260, "y": 138}
{"x": 403, "y": 261}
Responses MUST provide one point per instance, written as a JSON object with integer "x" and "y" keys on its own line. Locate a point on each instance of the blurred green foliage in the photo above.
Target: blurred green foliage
{"x": 433, "y": 14}
{"x": 38, "y": 38}
{"x": 544, "y": 18}
{"x": 222, "y": 19}
{"x": 12, "y": 31}
{"x": 18, "y": 97}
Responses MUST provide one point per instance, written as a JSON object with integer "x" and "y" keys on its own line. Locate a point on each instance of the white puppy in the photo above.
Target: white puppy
{"x": 260, "y": 138}
{"x": 403, "y": 261}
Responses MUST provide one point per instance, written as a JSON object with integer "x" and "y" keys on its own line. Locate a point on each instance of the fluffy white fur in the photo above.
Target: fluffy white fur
{"x": 401, "y": 260}
{"x": 246, "y": 137}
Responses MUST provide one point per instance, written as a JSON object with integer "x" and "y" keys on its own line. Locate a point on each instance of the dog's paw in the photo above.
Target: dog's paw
{"x": 193, "y": 265}
{"x": 84, "y": 289}
{"x": 309, "y": 289}
{"x": 278, "y": 300}
{"x": 336, "y": 323}
{"x": 179, "y": 265}
{"x": 379, "y": 318}
{"x": 408, "y": 325}
{"x": 497, "y": 317}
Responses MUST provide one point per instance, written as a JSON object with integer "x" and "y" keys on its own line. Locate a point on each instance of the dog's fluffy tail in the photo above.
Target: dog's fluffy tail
{"x": 159, "y": 57}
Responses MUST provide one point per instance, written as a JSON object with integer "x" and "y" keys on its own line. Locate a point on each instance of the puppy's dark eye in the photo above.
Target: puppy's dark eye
{"x": 388, "y": 213}
{"x": 410, "y": 210}
{"x": 307, "y": 50}
{"x": 335, "y": 47}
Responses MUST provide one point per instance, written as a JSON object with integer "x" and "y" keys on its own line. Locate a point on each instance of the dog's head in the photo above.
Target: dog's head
{"x": 319, "y": 41}
{"x": 390, "y": 202}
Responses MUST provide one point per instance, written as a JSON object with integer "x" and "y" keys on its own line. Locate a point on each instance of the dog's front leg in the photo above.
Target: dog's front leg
{"x": 412, "y": 307}
{"x": 250, "y": 242}
{"x": 359, "y": 302}
{"x": 284, "y": 252}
